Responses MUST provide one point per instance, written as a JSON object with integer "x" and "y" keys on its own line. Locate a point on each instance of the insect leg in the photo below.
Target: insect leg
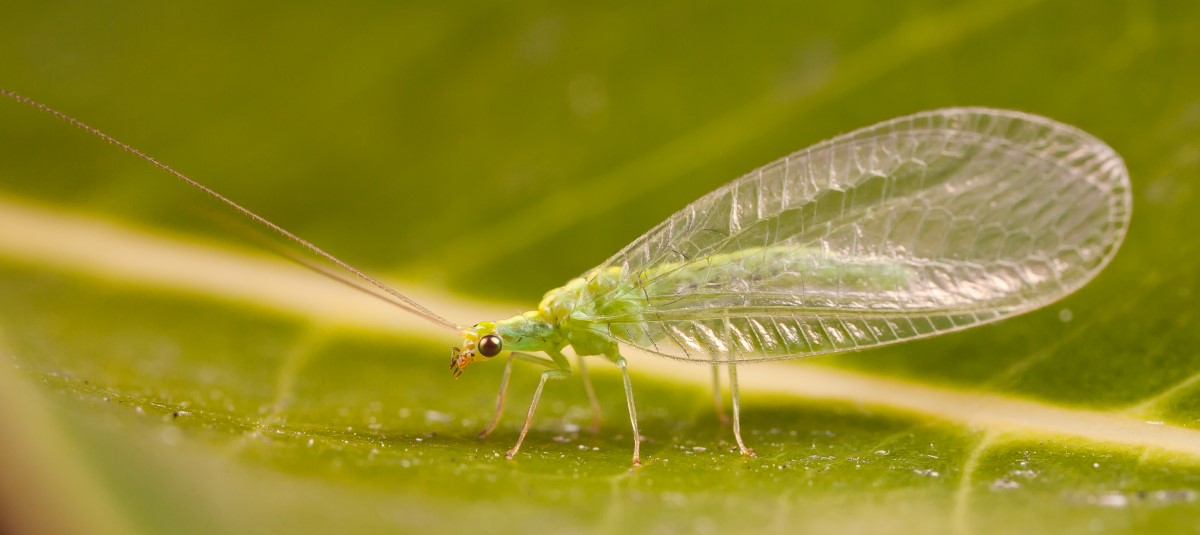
{"x": 561, "y": 372}
{"x": 717, "y": 401}
{"x": 617, "y": 359}
{"x": 737, "y": 426}
{"x": 500, "y": 397}
{"x": 591, "y": 394}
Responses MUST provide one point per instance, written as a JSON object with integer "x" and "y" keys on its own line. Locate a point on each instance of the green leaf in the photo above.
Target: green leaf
{"x": 164, "y": 378}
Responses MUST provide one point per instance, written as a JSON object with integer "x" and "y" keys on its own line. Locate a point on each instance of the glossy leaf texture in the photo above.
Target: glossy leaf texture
{"x": 161, "y": 376}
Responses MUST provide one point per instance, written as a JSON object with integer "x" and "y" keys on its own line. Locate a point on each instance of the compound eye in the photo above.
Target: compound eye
{"x": 490, "y": 345}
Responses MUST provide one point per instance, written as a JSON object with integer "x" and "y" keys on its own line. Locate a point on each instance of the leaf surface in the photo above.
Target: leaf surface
{"x": 161, "y": 377}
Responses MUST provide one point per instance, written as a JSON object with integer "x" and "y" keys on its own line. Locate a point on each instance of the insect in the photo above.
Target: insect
{"x": 913, "y": 227}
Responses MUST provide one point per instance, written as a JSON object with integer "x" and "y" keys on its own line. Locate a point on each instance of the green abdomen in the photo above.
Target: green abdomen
{"x": 758, "y": 277}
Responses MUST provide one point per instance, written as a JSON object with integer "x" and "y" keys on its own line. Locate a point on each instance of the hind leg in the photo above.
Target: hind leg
{"x": 718, "y": 403}
{"x": 737, "y": 425}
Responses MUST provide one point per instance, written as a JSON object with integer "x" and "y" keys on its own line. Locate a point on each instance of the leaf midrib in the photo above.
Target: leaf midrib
{"x": 93, "y": 247}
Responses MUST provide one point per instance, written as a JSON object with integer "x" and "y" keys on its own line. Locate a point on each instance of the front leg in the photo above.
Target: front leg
{"x": 563, "y": 371}
{"x": 504, "y": 386}
{"x": 500, "y": 397}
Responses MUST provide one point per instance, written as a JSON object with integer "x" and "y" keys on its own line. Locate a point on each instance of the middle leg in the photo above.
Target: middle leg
{"x": 617, "y": 359}
{"x": 591, "y": 394}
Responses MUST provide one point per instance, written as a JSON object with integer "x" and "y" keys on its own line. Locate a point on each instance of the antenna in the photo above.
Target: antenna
{"x": 408, "y": 304}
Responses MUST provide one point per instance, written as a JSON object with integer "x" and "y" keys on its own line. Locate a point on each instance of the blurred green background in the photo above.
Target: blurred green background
{"x": 491, "y": 151}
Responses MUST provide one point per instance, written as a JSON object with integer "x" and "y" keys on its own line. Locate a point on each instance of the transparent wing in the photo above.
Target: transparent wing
{"x": 919, "y": 225}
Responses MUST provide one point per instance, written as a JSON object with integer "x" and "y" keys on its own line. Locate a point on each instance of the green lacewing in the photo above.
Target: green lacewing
{"x": 921, "y": 225}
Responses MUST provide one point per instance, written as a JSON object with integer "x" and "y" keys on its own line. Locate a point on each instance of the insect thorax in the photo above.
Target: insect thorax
{"x": 551, "y": 326}
{"x": 530, "y": 332}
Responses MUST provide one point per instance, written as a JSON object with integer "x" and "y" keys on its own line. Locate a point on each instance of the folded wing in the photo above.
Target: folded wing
{"x": 919, "y": 225}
